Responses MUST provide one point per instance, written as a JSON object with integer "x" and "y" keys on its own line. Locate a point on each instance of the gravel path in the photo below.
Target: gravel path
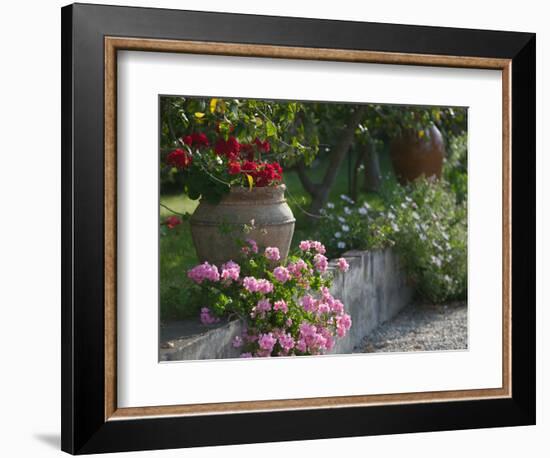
{"x": 422, "y": 328}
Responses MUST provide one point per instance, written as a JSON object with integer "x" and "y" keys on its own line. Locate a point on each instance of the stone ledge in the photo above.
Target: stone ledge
{"x": 374, "y": 290}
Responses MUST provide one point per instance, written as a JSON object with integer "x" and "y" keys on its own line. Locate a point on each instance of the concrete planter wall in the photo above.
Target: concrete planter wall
{"x": 374, "y": 290}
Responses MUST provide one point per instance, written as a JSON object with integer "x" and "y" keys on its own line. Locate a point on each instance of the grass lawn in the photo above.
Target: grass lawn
{"x": 177, "y": 253}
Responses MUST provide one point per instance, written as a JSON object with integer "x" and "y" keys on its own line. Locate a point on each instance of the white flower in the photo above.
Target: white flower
{"x": 342, "y": 219}
{"x": 362, "y": 211}
{"x": 391, "y": 216}
{"x": 346, "y": 199}
{"x": 345, "y": 227}
{"x": 448, "y": 279}
{"x": 330, "y": 205}
{"x": 422, "y": 237}
{"x": 415, "y": 216}
{"x": 366, "y": 205}
{"x": 337, "y": 235}
{"x": 341, "y": 245}
{"x": 436, "y": 261}
{"x": 403, "y": 205}
{"x": 347, "y": 211}
{"x": 395, "y": 227}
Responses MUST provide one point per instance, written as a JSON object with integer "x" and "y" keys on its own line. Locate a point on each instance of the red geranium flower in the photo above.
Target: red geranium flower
{"x": 234, "y": 168}
{"x": 179, "y": 158}
{"x": 200, "y": 139}
{"x": 172, "y": 221}
{"x": 262, "y": 145}
{"x": 229, "y": 148}
{"x": 249, "y": 167}
{"x": 196, "y": 138}
{"x": 268, "y": 174}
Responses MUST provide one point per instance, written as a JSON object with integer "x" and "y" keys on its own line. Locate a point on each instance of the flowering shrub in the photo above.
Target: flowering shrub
{"x": 424, "y": 223}
{"x": 286, "y": 305}
{"x": 211, "y": 168}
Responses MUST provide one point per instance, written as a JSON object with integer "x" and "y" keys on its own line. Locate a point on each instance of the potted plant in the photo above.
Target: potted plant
{"x": 238, "y": 189}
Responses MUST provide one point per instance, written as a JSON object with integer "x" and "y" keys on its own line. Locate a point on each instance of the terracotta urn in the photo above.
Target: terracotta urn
{"x": 413, "y": 156}
{"x": 216, "y": 229}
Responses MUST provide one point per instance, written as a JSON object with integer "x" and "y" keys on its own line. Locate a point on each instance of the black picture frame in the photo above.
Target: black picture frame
{"x": 84, "y": 427}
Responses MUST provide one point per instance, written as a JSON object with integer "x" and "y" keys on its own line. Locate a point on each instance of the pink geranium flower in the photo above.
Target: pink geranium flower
{"x": 207, "y": 317}
{"x": 272, "y": 253}
{"x": 281, "y": 274}
{"x": 343, "y": 265}
{"x": 280, "y": 305}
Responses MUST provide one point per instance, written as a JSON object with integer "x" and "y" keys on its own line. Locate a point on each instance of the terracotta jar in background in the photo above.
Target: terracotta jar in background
{"x": 413, "y": 156}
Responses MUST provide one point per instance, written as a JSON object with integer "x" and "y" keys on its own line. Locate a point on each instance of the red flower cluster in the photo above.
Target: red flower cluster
{"x": 196, "y": 138}
{"x": 229, "y": 148}
{"x": 179, "y": 158}
{"x": 232, "y": 149}
{"x": 263, "y": 145}
{"x": 263, "y": 173}
{"x": 172, "y": 221}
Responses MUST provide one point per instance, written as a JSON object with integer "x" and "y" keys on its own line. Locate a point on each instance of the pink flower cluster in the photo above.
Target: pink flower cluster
{"x": 251, "y": 247}
{"x": 207, "y": 317}
{"x": 298, "y": 268}
{"x": 281, "y": 274}
{"x": 321, "y": 262}
{"x": 280, "y": 305}
{"x": 314, "y": 339}
{"x": 324, "y": 305}
{"x": 230, "y": 271}
{"x": 254, "y": 285}
{"x": 288, "y": 312}
{"x": 343, "y": 265}
{"x": 272, "y": 253}
{"x": 203, "y": 272}
{"x": 306, "y": 245}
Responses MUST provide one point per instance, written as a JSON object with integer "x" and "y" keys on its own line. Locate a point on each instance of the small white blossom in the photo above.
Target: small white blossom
{"x": 415, "y": 216}
{"x": 366, "y": 205}
{"x": 341, "y": 245}
{"x": 436, "y": 261}
{"x": 362, "y": 211}
{"x": 395, "y": 227}
{"x": 342, "y": 219}
{"x": 347, "y": 211}
{"x": 330, "y": 205}
{"x": 345, "y": 227}
{"x": 346, "y": 199}
{"x": 337, "y": 235}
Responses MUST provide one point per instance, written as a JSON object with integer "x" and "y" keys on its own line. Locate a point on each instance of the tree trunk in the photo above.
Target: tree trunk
{"x": 361, "y": 159}
{"x": 320, "y": 191}
{"x": 373, "y": 176}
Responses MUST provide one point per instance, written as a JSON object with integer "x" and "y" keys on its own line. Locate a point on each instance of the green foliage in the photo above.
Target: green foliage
{"x": 455, "y": 169}
{"x": 422, "y": 221}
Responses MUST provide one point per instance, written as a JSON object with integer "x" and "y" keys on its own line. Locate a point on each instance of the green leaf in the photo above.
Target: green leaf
{"x": 271, "y": 129}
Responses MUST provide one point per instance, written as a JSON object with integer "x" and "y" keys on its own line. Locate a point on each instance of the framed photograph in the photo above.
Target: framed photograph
{"x": 282, "y": 228}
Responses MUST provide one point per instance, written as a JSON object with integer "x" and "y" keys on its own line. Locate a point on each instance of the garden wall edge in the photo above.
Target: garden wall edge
{"x": 374, "y": 290}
